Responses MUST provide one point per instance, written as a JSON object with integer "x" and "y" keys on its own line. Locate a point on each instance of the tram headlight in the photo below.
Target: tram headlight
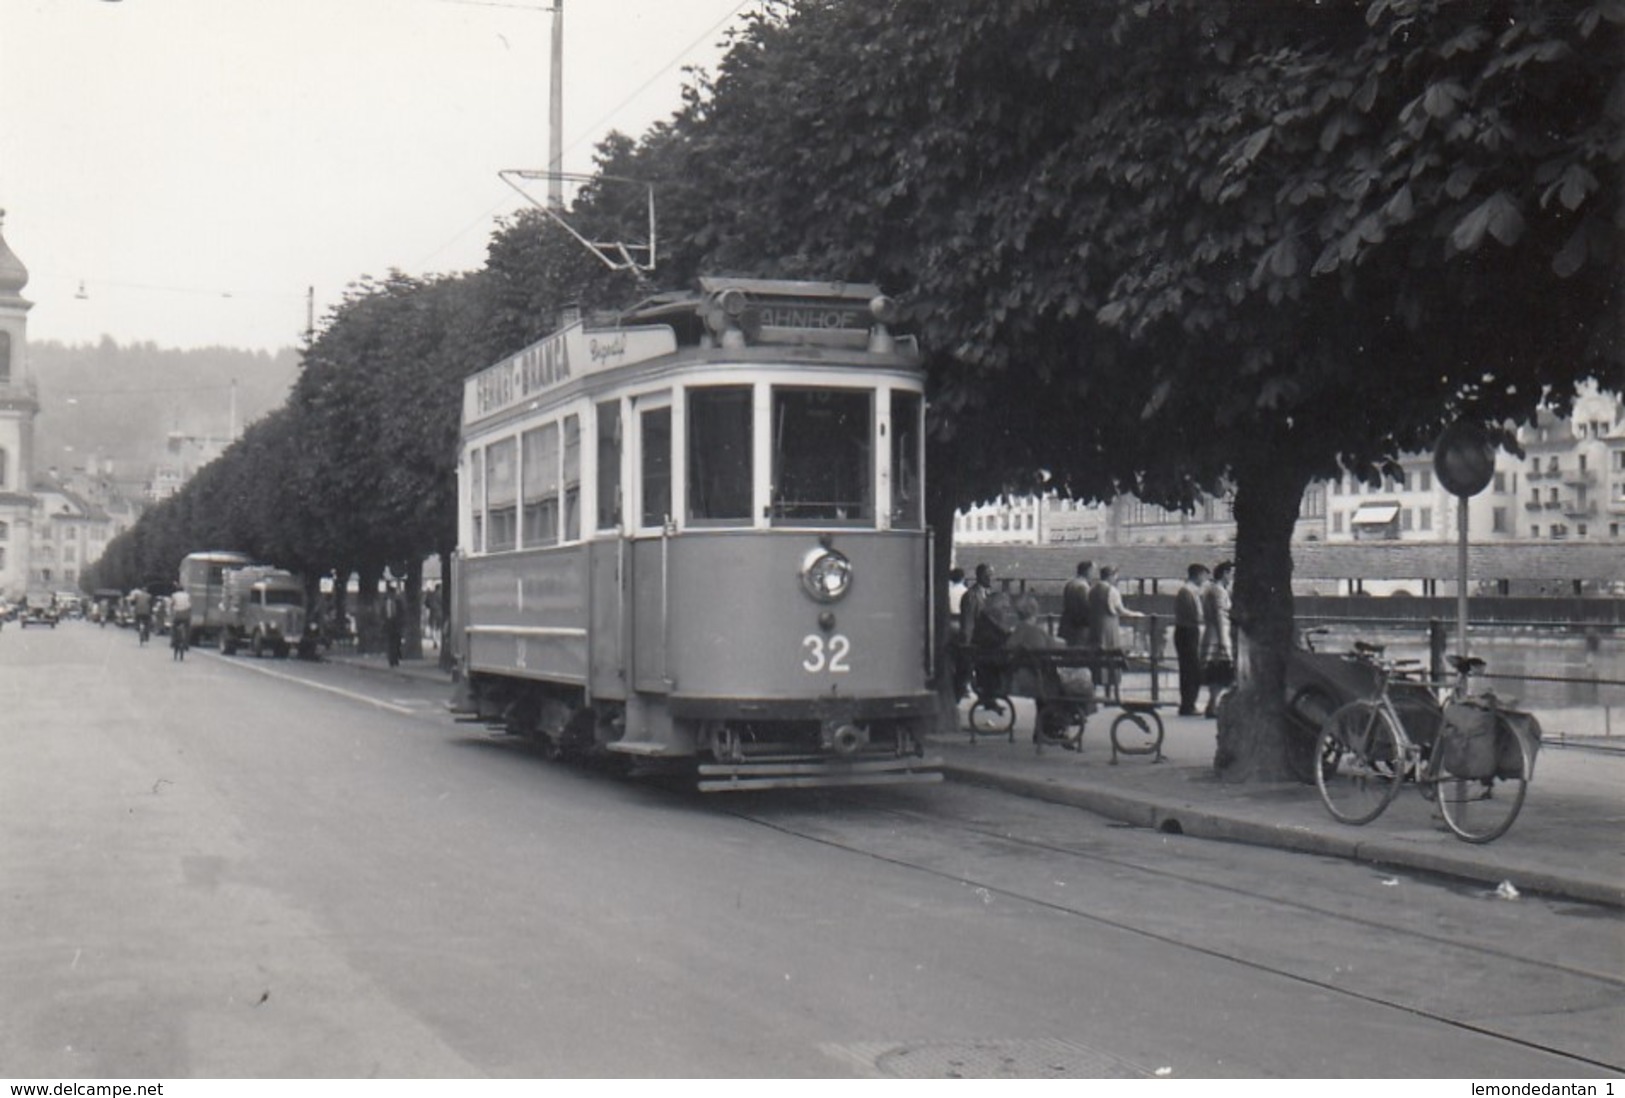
{"x": 826, "y": 574}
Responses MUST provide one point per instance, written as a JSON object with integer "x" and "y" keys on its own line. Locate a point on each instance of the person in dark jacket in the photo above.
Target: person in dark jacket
{"x": 1188, "y": 637}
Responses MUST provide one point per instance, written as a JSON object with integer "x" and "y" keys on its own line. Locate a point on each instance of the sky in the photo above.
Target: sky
{"x": 186, "y": 172}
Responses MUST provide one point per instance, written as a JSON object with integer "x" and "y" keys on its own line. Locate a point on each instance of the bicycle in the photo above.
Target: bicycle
{"x": 180, "y": 638}
{"x": 1363, "y": 753}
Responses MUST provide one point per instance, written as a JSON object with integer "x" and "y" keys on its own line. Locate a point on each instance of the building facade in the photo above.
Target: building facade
{"x": 1569, "y": 486}
{"x": 19, "y": 407}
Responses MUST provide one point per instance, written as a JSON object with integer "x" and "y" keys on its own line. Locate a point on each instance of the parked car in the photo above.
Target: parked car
{"x": 39, "y": 608}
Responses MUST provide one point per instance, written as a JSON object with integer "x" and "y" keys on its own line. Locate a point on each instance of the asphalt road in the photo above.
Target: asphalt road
{"x": 237, "y": 868}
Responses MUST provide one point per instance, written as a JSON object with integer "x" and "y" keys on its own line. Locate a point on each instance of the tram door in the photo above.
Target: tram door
{"x": 629, "y": 563}
{"x": 649, "y": 521}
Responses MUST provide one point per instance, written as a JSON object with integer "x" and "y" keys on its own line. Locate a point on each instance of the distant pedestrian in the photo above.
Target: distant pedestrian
{"x": 394, "y": 624}
{"x": 958, "y": 652}
{"x": 141, "y": 609}
{"x": 1074, "y": 627}
{"x": 1218, "y": 651}
{"x": 1188, "y": 636}
{"x": 1106, "y": 614}
{"x": 432, "y": 607}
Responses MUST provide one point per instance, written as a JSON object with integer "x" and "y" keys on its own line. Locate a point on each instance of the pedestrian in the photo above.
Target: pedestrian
{"x": 958, "y": 654}
{"x": 1074, "y": 627}
{"x": 985, "y": 620}
{"x": 1106, "y": 614}
{"x": 1188, "y": 636}
{"x": 432, "y": 607}
{"x": 180, "y": 623}
{"x": 394, "y": 624}
{"x": 1218, "y": 651}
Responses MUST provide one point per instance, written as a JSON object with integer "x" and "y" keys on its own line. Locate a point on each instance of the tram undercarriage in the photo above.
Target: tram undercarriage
{"x": 725, "y": 744}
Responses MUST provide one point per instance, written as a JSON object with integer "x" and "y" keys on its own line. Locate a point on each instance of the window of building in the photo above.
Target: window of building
{"x": 1424, "y": 518}
{"x": 1498, "y": 520}
{"x": 720, "y": 474}
{"x": 5, "y": 463}
{"x": 5, "y": 357}
{"x": 1424, "y": 479}
{"x": 1580, "y": 529}
{"x": 5, "y": 531}
{"x": 1613, "y": 532}
{"x": 1500, "y": 482}
{"x": 1551, "y": 495}
{"x": 1337, "y": 522}
{"x": 1551, "y": 464}
{"x": 1582, "y": 465}
{"x": 1534, "y": 531}
{"x": 1405, "y": 518}
{"x": 609, "y": 465}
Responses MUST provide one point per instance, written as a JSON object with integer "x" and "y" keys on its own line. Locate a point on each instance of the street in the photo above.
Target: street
{"x": 238, "y": 868}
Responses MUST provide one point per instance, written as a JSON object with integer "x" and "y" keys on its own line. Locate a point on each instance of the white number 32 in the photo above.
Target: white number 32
{"x": 826, "y": 656}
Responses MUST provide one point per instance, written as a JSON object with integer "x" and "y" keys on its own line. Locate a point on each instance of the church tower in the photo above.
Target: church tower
{"x": 19, "y": 404}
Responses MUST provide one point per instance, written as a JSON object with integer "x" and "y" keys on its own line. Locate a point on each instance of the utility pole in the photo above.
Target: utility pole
{"x": 555, "y": 113}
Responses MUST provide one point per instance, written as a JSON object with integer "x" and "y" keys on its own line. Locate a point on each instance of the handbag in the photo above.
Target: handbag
{"x": 1219, "y": 672}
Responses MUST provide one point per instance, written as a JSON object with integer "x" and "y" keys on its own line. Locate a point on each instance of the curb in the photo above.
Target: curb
{"x": 1200, "y": 823}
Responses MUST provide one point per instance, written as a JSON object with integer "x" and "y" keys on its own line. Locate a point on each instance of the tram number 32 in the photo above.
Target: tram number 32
{"x": 826, "y": 654}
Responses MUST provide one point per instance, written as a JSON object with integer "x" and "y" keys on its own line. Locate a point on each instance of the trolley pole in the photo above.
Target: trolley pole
{"x": 555, "y": 113}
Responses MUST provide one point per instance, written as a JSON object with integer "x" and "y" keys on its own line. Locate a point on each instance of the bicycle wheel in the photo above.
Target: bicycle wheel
{"x": 992, "y": 716}
{"x": 1359, "y": 763}
{"x": 1481, "y": 809}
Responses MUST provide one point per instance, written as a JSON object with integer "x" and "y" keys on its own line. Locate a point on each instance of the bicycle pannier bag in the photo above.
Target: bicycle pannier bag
{"x": 1469, "y": 739}
{"x": 1509, "y": 760}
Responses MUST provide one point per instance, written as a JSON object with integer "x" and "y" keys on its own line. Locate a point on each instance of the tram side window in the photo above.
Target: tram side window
{"x": 719, "y": 453}
{"x": 823, "y": 460}
{"x": 656, "y": 443}
{"x": 540, "y": 482}
{"x": 906, "y": 502}
{"x": 476, "y": 498}
{"x": 501, "y": 495}
{"x": 609, "y": 466}
{"x": 572, "y": 478}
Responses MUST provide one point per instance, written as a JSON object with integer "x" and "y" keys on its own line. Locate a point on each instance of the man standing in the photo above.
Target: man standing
{"x": 980, "y": 623}
{"x": 1074, "y": 628}
{"x": 1188, "y": 637}
{"x": 141, "y": 608}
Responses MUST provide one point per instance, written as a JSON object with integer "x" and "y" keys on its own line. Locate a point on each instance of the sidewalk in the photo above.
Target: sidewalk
{"x": 1569, "y": 840}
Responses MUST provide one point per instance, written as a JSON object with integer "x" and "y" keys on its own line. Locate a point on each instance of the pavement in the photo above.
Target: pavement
{"x": 1568, "y": 842}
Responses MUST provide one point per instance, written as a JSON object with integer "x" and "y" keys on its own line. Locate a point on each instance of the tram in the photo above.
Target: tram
{"x": 692, "y": 538}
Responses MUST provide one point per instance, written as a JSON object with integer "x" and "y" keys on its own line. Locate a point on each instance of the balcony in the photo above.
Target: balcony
{"x": 1579, "y": 477}
{"x": 1580, "y": 510}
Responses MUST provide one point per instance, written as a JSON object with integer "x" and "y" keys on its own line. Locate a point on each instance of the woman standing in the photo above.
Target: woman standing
{"x": 1106, "y": 614}
{"x": 1218, "y": 653}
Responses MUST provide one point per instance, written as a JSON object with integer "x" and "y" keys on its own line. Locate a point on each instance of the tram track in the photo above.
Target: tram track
{"x": 1474, "y": 956}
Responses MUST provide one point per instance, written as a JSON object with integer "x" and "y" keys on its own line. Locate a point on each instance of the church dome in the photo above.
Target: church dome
{"x": 13, "y": 275}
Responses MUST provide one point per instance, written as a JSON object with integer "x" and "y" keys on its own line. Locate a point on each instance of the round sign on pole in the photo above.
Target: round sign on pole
{"x": 1464, "y": 458}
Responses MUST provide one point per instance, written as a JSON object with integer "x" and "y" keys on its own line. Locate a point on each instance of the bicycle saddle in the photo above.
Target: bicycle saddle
{"x": 1467, "y": 665}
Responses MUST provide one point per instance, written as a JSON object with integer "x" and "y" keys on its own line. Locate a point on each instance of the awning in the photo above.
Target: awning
{"x": 1375, "y": 514}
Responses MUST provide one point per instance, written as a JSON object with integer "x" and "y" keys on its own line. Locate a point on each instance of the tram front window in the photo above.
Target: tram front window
{"x": 823, "y": 460}
{"x": 719, "y": 453}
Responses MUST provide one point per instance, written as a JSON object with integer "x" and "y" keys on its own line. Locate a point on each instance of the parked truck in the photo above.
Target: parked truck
{"x": 264, "y": 609}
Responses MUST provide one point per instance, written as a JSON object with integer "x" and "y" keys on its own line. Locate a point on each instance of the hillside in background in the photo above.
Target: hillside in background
{"x": 123, "y": 402}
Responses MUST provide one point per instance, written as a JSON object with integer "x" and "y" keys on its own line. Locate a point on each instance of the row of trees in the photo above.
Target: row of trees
{"x": 1150, "y": 246}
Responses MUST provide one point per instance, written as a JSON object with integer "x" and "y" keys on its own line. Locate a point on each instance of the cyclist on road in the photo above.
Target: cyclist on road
{"x": 141, "y": 608}
{"x": 180, "y": 623}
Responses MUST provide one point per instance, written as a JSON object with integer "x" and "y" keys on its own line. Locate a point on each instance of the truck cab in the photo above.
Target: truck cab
{"x": 264, "y": 609}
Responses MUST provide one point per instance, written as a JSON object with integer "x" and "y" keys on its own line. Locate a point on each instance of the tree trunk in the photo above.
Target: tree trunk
{"x": 1252, "y": 738}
